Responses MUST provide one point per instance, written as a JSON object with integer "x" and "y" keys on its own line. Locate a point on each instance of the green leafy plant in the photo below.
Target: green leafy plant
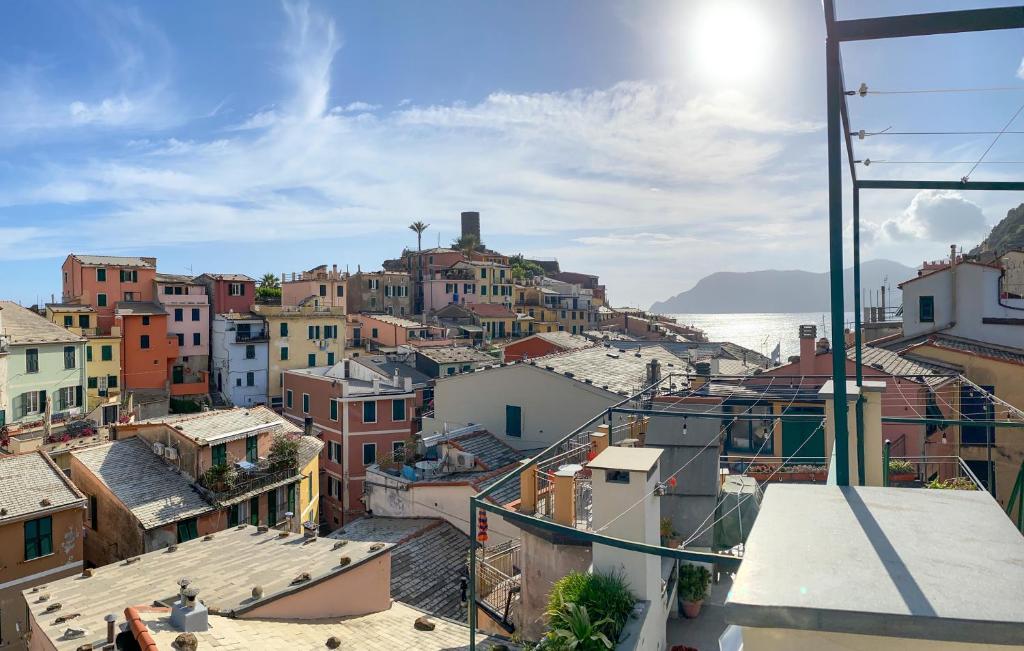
{"x": 220, "y": 477}
{"x": 953, "y": 483}
{"x": 270, "y": 281}
{"x": 577, "y": 631}
{"x": 666, "y": 527}
{"x": 900, "y": 467}
{"x": 694, "y": 581}
{"x": 605, "y": 596}
{"x": 284, "y": 452}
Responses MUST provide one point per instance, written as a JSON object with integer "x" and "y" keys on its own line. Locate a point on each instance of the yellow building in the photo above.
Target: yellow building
{"x": 999, "y": 370}
{"x": 309, "y": 487}
{"x": 529, "y": 300}
{"x": 102, "y": 357}
{"x": 300, "y": 337}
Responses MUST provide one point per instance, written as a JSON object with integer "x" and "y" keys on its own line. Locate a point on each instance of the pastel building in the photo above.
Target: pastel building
{"x": 238, "y": 358}
{"x": 44, "y": 363}
{"x": 363, "y": 416}
{"x": 188, "y": 321}
{"x": 102, "y": 358}
{"x": 392, "y": 331}
{"x": 228, "y": 292}
{"x": 105, "y": 280}
{"x": 321, "y": 286}
{"x": 469, "y": 282}
{"x": 387, "y": 292}
{"x": 300, "y": 337}
{"x": 147, "y": 351}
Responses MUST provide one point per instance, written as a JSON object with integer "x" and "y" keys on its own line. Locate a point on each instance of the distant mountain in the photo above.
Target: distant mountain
{"x": 1007, "y": 234}
{"x": 779, "y": 291}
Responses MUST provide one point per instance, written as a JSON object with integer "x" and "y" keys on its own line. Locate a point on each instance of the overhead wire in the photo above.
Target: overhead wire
{"x": 994, "y": 141}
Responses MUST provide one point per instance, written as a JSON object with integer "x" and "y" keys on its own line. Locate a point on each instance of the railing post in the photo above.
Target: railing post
{"x": 885, "y": 462}
{"x": 528, "y": 489}
{"x": 565, "y": 497}
{"x": 471, "y": 602}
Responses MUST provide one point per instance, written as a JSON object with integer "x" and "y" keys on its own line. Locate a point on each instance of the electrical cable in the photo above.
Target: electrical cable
{"x": 993, "y": 143}
{"x": 864, "y": 90}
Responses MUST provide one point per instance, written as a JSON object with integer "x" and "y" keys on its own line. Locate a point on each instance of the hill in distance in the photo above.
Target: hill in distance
{"x": 779, "y": 291}
{"x": 1006, "y": 235}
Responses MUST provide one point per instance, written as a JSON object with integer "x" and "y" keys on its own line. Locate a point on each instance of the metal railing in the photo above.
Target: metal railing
{"x": 247, "y": 482}
{"x": 932, "y": 472}
{"x": 241, "y": 336}
{"x": 498, "y": 579}
{"x": 767, "y": 469}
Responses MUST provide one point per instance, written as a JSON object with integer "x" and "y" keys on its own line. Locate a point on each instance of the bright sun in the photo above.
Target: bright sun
{"x": 729, "y": 41}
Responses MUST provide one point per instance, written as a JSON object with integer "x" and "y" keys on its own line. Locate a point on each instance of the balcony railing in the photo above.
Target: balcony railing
{"x": 805, "y": 470}
{"x": 245, "y": 482}
{"x": 245, "y": 337}
{"x": 950, "y": 473}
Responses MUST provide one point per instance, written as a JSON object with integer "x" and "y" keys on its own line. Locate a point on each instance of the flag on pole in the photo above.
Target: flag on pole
{"x": 777, "y": 354}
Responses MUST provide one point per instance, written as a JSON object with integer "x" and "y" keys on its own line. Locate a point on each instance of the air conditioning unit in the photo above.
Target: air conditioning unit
{"x": 462, "y": 460}
{"x": 171, "y": 454}
{"x": 158, "y": 449}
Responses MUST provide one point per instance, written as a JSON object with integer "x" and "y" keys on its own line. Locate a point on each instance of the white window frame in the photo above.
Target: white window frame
{"x": 365, "y": 445}
{"x": 234, "y": 289}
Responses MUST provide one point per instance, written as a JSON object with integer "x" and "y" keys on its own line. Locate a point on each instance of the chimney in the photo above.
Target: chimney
{"x": 807, "y": 335}
{"x": 188, "y": 614}
{"x": 653, "y": 372}
{"x": 702, "y": 377}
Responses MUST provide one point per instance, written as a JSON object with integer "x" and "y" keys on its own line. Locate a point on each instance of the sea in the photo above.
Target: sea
{"x": 761, "y": 332}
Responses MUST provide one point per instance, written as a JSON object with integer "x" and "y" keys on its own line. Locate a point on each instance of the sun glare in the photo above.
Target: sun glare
{"x": 729, "y": 42}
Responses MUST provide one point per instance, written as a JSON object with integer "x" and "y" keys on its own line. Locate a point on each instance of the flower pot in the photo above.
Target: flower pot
{"x": 692, "y": 608}
{"x": 902, "y": 476}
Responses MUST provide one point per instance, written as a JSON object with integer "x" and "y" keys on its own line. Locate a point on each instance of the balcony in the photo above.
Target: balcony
{"x": 223, "y": 487}
{"x": 248, "y": 337}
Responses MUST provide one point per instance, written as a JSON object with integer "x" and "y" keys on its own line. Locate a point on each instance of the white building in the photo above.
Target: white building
{"x": 238, "y": 355}
{"x": 533, "y": 404}
{"x": 965, "y": 300}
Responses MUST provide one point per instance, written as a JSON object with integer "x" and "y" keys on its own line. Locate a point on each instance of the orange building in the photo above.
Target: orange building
{"x": 147, "y": 351}
{"x": 103, "y": 281}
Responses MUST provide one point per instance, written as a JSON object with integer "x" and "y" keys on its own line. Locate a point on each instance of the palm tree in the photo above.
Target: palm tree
{"x": 270, "y": 281}
{"x": 418, "y": 228}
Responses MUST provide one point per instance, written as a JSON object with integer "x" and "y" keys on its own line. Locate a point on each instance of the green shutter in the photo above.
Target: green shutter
{"x": 284, "y": 329}
{"x": 334, "y": 409}
{"x": 254, "y": 510}
{"x": 513, "y": 420}
{"x": 219, "y": 454}
{"x": 291, "y": 497}
{"x": 251, "y": 450}
{"x": 107, "y": 353}
{"x": 284, "y": 353}
{"x": 233, "y": 515}
{"x": 188, "y": 530}
{"x": 272, "y": 507}
{"x": 88, "y": 353}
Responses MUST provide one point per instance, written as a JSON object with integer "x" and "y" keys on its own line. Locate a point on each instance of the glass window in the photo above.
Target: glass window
{"x": 101, "y": 300}
{"x": 250, "y": 351}
{"x": 305, "y": 403}
{"x": 32, "y": 360}
{"x": 284, "y": 329}
{"x": 254, "y": 510}
{"x": 181, "y": 338}
{"x": 145, "y": 320}
{"x": 38, "y": 538}
{"x": 369, "y": 411}
{"x": 926, "y": 309}
{"x": 369, "y": 453}
{"x": 68, "y": 320}
{"x": 195, "y": 314}
{"x": 288, "y": 397}
{"x": 250, "y": 379}
{"x": 179, "y": 314}
{"x": 398, "y": 409}
{"x": 398, "y": 450}
{"x": 334, "y": 409}
{"x": 69, "y": 357}
{"x": 311, "y": 360}
{"x": 107, "y": 353}
{"x": 330, "y": 359}
{"x": 196, "y": 338}
{"x": 101, "y": 275}
{"x": 144, "y": 341}
{"x": 111, "y": 381}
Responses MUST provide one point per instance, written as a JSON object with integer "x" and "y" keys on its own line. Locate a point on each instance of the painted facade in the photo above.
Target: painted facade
{"x": 102, "y": 358}
{"x": 469, "y": 282}
{"x": 392, "y": 331}
{"x": 188, "y": 320}
{"x": 228, "y": 292}
{"x": 39, "y": 544}
{"x": 963, "y": 300}
{"x": 147, "y": 351}
{"x": 385, "y": 292}
{"x": 44, "y": 362}
{"x": 300, "y": 337}
{"x": 102, "y": 281}
{"x": 319, "y": 286}
{"x": 238, "y": 356}
{"x": 361, "y": 415}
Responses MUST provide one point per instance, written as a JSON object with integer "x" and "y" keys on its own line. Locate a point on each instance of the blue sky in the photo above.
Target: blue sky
{"x": 635, "y": 139}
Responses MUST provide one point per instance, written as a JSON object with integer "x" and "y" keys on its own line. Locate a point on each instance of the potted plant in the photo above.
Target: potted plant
{"x": 577, "y": 631}
{"x": 219, "y": 478}
{"x": 669, "y": 536}
{"x": 694, "y": 581}
{"x": 901, "y": 470}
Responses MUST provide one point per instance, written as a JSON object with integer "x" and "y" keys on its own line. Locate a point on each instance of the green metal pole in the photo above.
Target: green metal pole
{"x": 834, "y": 90}
{"x": 857, "y": 341}
{"x": 471, "y": 605}
{"x": 885, "y": 462}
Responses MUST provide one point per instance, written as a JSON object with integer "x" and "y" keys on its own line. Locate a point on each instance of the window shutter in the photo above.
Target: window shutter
{"x": 242, "y": 285}
{"x": 42, "y": 401}
{"x": 78, "y": 395}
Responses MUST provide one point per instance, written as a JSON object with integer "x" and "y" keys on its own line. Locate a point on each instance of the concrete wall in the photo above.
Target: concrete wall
{"x": 363, "y": 589}
{"x": 552, "y": 405}
{"x": 976, "y": 297}
{"x": 544, "y": 563}
{"x": 778, "y": 639}
{"x": 696, "y": 491}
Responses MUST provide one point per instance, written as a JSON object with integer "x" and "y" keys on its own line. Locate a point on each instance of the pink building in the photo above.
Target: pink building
{"x": 393, "y": 331}
{"x": 324, "y": 286}
{"x": 188, "y": 320}
{"x": 229, "y": 292}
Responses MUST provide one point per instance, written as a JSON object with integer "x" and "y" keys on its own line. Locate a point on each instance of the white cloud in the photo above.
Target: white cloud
{"x": 309, "y": 47}
{"x": 943, "y": 216}
{"x": 1020, "y": 69}
{"x": 356, "y": 107}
